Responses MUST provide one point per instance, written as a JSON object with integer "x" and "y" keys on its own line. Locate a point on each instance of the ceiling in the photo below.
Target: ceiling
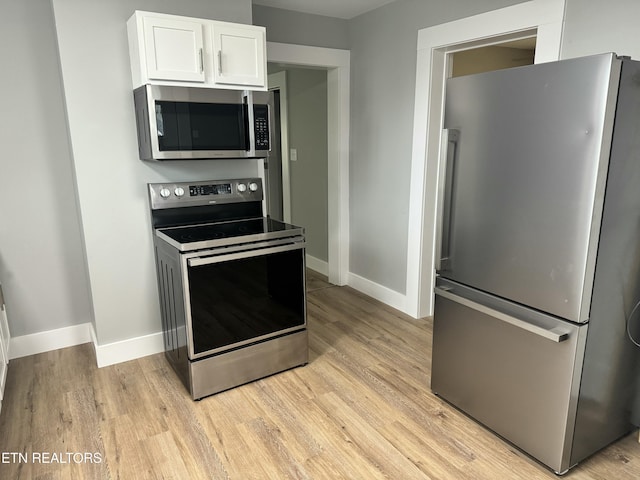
{"x": 345, "y": 9}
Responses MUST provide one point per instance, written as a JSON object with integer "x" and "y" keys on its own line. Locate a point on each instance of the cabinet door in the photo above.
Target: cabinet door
{"x": 239, "y": 55}
{"x": 173, "y": 49}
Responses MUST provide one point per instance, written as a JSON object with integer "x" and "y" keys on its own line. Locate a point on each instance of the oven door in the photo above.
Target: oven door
{"x": 235, "y": 299}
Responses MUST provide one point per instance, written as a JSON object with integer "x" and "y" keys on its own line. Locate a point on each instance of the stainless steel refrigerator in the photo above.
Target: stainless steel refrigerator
{"x": 538, "y": 275}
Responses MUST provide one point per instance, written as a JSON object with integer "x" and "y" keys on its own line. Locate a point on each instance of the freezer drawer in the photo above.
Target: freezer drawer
{"x": 512, "y": 369}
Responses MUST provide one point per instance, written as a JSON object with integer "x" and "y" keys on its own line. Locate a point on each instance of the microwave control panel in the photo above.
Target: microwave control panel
{"x": 261, "y": 129}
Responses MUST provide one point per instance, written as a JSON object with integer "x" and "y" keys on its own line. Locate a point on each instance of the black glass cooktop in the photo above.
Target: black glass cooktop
{"x": 226, "y": 233}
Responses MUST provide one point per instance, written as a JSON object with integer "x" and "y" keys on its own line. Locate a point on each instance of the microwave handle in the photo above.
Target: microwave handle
{"x": 248, "y": 101}
{"x": 269, "y": 122}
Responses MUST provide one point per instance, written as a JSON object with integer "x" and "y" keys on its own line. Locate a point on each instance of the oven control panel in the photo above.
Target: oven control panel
{"x": 214, "y": 189}
{"x": 183, "y": 194}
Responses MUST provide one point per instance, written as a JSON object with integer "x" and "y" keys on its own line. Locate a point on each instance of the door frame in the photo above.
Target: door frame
{"x": 541, "y": 18}
{"x": 278, "y": 81}
{"x": 337, "y": 63}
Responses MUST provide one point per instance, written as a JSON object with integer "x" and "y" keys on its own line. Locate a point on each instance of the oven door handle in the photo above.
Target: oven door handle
{"x": 209, "y": 259}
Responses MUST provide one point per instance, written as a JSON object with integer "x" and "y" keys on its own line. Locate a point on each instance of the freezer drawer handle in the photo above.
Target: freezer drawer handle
{"x": 555, "y": 334}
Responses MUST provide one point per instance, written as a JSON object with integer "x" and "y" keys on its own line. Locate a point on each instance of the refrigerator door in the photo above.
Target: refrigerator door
{"x": 515, "y": 370}
{"x": 525, "y": 177}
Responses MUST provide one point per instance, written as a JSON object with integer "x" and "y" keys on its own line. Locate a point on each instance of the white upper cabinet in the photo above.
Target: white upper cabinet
{"x": 239, "y": 54}
{"x": 174, "y": 50}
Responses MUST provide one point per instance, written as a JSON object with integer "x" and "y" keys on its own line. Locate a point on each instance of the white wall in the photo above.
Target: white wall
{"x": 111, "y": 180}
{"x": 383, "y": 65}
{"x": 285, "y": 26}
{"x": 42, "y": 267}
{"x": 594, "y": 26}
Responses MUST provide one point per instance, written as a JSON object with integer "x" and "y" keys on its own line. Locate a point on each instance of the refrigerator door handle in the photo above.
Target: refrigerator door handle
{"x": 555, "y": 334}
{"x": 445, "y": 200}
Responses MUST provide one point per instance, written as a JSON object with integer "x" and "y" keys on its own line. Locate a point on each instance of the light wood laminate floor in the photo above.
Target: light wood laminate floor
{"x": 361, "y": 409}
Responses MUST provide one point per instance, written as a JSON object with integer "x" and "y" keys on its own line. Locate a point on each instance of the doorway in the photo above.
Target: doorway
{"x": 336, "y": 63}
{"x": 538, "y": 18}
{"x": 297, "y": 168}
{"x": 277, "y": 164}
{"x": 493, "y": 57}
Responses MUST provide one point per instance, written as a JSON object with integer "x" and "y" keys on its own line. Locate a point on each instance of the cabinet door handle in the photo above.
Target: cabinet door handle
{"x": 201, "y": 61}
{"x": 220, "y": 62}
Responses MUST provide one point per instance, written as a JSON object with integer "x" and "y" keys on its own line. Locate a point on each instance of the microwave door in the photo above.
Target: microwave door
{"x": 172, "y": 126}
{"x": 218, "y": 127}
{"x": 200, "y": 123}
{"x": 201, "y": 127}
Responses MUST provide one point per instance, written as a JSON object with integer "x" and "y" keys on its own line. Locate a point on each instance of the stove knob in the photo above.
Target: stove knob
{"x": 241, "y": 187}
{"x": 179, "y": 191}
{"x": 253, "y": 186}
{"x": 165, "y": 192}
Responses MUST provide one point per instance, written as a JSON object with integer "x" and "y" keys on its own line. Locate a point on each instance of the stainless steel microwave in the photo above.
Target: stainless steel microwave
{"x": 177, "y": 123}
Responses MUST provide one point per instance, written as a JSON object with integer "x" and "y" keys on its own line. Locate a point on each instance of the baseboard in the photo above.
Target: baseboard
{"x": 130, "y": 349}
{"x": 317, "y": 265}
{"x": 385, "y": 295}
{"x": 40, "y": 342}
{"x": 125, "y": 350}
{"x": 107, "y": 354}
